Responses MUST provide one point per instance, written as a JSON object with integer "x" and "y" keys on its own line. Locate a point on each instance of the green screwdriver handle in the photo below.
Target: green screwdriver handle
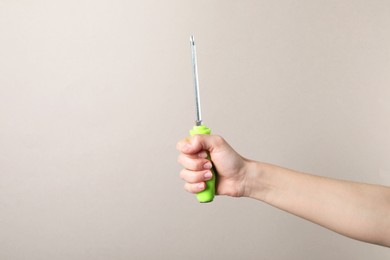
{"x": 207, "y": 195}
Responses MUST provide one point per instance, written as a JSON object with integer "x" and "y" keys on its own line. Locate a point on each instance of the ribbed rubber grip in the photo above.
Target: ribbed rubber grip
{"x": 207, "y": 195}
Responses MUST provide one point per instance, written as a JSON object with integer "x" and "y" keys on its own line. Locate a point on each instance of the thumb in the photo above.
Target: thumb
{"x": 198, "y": 143}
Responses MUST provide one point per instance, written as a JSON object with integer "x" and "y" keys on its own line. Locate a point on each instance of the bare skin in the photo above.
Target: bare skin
{"x": 356, "y": 210}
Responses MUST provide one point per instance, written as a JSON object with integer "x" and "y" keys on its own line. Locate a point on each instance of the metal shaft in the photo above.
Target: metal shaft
{"x": 198, "y": 120}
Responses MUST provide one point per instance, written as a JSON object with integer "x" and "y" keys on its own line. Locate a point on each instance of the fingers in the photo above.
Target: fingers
{"x": 195, "y": 176}
{"x": 194, "y": 187}
{"x": 193, "y": 158}
{"x": 200, "y": 143}
{"x": 194, "y": 163}
{"x": 195, "y": 181}
{"x": 182, "y": 145}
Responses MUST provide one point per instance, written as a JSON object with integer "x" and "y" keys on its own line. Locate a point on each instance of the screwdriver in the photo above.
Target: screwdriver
{"x": 207, "y": 195}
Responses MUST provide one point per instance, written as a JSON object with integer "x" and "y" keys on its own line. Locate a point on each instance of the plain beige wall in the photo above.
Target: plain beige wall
{"x": 95, "y": 94}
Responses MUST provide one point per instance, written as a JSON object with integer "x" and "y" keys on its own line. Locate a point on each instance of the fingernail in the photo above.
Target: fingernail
{"x": 201, "y": 185}
{"x": 208, "y": 175}
{"x": 207, "y": 165}
{"x": 203, "y": 155}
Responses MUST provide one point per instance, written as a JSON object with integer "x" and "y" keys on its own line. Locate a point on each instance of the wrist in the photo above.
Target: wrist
{"x": 255, "y": 185}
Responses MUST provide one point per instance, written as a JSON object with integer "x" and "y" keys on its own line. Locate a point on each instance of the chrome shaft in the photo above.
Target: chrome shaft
{"x": 198, "y": 120}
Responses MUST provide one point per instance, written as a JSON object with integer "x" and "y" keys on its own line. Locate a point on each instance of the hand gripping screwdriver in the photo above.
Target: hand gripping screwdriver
{"x": 207, "y": 195}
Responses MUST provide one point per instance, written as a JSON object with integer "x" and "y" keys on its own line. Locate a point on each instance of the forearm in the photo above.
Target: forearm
{"x": 359, "y": 211}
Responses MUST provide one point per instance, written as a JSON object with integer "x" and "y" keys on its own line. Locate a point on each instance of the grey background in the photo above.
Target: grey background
{"x": 94, "y": 96}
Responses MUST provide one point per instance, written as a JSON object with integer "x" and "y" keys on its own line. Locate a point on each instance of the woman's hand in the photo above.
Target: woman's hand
{"x": 230, "y": 166}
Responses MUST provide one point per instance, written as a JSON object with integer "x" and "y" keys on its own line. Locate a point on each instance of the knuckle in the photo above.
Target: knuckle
{"x": 179, "y": 159}
{"x": 182, "y": 174}
{"x": 194, "y": 187}
{"x": 219, "y": 139}
{"x": 180, "y": 144}
{"x": 188, "y": 187}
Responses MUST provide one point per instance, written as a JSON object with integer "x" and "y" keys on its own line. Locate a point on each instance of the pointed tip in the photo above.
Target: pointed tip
{"x": 192, "y": 39}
